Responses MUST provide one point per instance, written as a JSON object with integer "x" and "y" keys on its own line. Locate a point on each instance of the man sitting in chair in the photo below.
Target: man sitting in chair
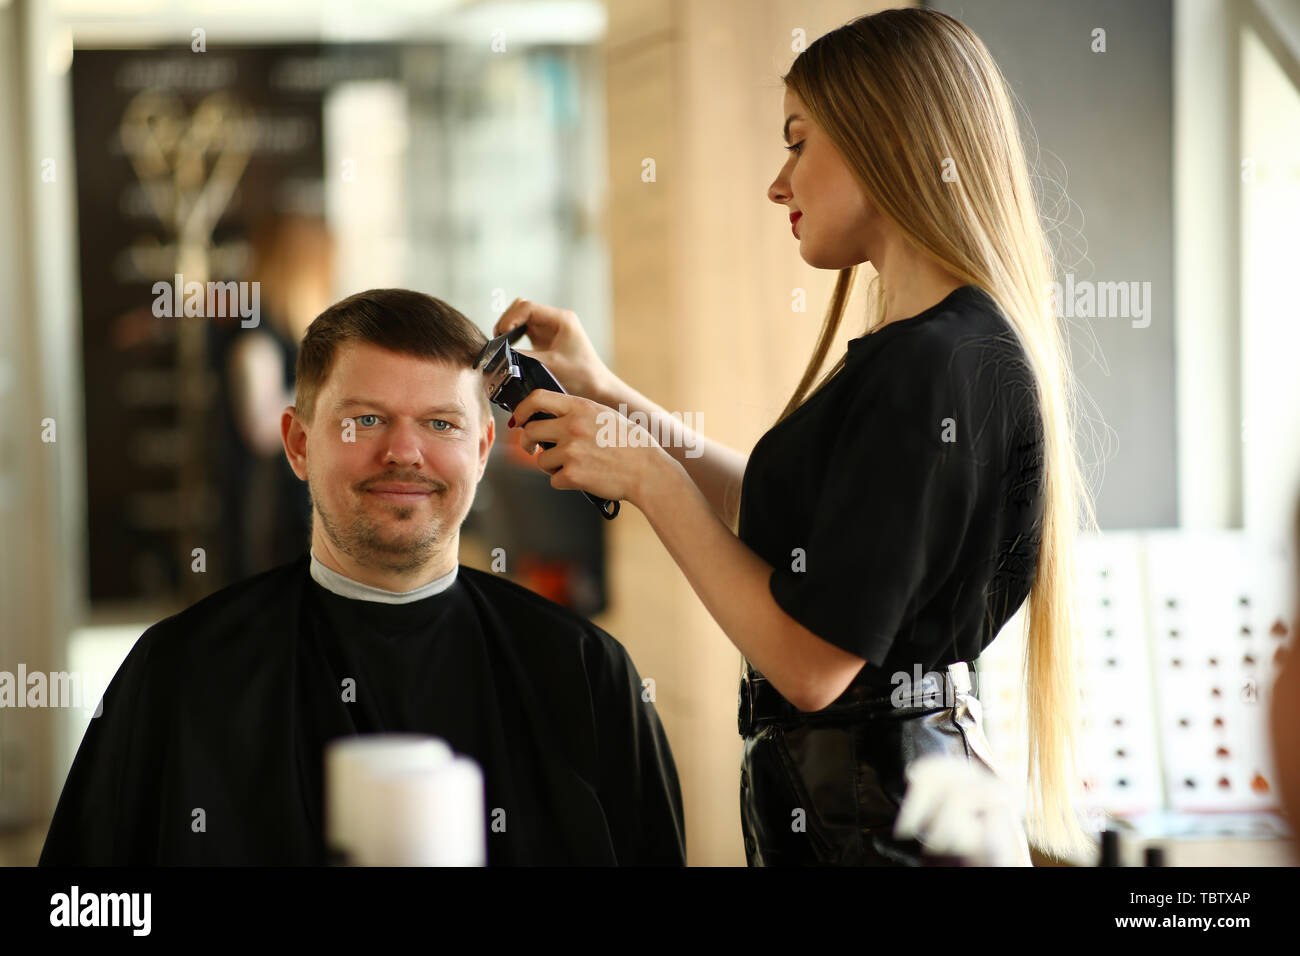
{"x": 227, "y": 707}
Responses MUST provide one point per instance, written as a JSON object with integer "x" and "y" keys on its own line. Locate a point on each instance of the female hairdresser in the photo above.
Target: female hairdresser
{"x": 896, "y": 516}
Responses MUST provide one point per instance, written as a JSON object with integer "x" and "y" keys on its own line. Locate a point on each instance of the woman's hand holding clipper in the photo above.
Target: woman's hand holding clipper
{"x": 563, "y": 347}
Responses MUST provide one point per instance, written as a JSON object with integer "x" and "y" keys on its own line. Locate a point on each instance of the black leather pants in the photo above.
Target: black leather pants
{"x": 824, "y": 788}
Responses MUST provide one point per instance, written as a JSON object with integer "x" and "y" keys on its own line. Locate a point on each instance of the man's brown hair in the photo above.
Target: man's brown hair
{"x": 399, "y": 320}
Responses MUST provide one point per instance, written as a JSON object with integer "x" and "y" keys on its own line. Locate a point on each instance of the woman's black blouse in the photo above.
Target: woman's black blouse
{"x": 901, "y": 506}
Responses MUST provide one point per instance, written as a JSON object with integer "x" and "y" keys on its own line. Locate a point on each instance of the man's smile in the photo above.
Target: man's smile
{"x": 399, "y": 492}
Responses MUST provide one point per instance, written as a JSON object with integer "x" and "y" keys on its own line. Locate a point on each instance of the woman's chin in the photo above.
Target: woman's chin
{"x": 818, "y": 259}
{"x": 827, "y": 259}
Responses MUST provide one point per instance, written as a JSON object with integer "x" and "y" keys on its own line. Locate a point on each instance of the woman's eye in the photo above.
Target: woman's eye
{"x": 794, "y": 146}
{"x": 365, "y": 421}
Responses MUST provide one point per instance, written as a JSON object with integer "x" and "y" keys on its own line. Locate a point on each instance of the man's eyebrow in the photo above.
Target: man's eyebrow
{"x": 456, "y": 409}
{"x": 788, "y": 120}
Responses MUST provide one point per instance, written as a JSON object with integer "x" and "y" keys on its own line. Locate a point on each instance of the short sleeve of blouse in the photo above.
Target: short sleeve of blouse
{"x": 903, "y": 485}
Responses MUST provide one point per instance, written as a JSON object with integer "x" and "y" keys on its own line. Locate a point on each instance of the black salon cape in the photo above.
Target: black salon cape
{"x": 901, "y": 506}
{"x": 227, "y": 707}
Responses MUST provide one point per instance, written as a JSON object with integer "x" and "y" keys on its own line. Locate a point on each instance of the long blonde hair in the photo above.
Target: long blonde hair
{"x": 925, "y": 81}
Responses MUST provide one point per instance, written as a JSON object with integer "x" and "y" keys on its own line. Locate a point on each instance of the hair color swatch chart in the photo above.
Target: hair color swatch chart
{"x": 1180, "y": 638}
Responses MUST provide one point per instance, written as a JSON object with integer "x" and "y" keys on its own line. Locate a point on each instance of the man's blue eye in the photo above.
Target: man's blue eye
{"x": 364, "y": 423}
{"x": 444, "y": 422}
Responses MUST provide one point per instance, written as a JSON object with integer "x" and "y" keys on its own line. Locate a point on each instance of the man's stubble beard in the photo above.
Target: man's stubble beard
{"x": 363, "y": 539}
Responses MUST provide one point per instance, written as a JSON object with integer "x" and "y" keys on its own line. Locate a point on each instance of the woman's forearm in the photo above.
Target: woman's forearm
{"x": 732, "y": 583}
{"x": 714, "y": 468}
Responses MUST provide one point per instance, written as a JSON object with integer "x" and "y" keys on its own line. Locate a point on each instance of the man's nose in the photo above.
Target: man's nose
{"x": 403, "y": 445}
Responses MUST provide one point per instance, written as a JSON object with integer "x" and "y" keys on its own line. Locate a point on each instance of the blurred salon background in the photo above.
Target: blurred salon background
{"x": 612, "y": 157}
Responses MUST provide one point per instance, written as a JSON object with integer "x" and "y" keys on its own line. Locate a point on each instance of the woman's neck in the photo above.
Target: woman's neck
{"x": 912, "y": 283}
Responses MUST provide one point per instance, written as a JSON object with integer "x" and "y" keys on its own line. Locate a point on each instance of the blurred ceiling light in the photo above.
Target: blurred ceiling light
{"x": 108, "y": 9}
{"x": 522, "y": 21}
{"x": 525, "y": 22}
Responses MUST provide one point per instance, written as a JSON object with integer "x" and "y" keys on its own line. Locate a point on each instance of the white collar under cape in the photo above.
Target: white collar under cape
{"x": 344, "y": 586}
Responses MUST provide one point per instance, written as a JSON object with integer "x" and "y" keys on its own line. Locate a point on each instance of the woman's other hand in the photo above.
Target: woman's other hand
{"x": 596, "y": 450}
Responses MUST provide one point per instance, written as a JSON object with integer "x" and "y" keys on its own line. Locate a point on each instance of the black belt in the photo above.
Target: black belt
{"x": 761, "y": 704}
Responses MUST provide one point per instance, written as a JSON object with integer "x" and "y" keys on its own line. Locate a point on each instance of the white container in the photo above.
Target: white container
{"x": 424, "y": 816}
{"x": 350, "y": 766}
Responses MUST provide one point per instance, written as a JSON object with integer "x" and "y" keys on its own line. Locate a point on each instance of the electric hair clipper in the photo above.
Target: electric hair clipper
{"x": 510, "y": 376}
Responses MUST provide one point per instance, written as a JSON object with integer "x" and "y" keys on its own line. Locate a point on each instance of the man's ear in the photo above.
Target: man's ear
{"x": 485, "y": 441}
{"x": 294, "y": 437}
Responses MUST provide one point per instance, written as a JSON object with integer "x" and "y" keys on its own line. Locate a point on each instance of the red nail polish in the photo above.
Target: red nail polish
{"x": 511, "y": 423}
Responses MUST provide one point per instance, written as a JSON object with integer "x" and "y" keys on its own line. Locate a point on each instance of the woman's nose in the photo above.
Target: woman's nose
{"x": 779, "y": 191}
